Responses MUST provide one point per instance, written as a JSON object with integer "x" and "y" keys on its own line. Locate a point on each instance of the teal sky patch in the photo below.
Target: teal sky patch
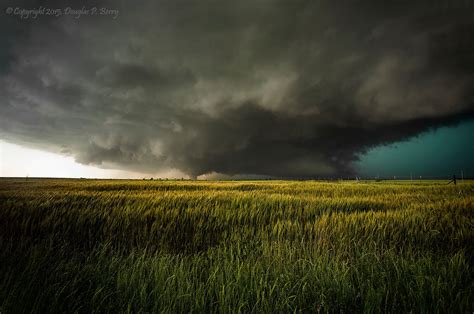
{"x": 436, "y": 153}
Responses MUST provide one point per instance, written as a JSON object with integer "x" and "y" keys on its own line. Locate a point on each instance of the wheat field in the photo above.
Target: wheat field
{"x": 236, "y": 246}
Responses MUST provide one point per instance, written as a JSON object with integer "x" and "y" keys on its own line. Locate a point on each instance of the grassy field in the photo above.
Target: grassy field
{"x": 247, "y": 246}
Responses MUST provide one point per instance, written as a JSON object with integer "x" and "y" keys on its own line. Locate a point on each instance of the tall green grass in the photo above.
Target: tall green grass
{"x": 250, "y": 246}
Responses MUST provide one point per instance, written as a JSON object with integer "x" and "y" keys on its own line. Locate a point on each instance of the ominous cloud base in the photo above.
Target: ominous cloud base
{"x": 275, "y": 88}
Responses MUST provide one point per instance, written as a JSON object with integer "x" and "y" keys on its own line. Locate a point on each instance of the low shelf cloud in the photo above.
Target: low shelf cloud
{"x": 261, "y": 88}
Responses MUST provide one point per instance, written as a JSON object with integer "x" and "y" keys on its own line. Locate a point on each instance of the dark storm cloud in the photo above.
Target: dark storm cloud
{"x": 279, "y": 88}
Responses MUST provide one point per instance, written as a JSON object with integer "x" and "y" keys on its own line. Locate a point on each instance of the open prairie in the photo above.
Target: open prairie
{"x": 236, "y": 246}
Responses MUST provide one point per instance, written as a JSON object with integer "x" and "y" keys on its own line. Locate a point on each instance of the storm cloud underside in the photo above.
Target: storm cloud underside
{"x": 274, "y": 88}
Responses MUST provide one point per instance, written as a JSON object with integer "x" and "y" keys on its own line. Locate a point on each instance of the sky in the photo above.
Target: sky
{"x": 19, "y": 161}
{"x": 438, "y": 153}
{"x": 227, "y": 89}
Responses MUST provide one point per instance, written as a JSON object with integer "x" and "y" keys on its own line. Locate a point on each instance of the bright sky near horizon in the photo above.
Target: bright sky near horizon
{"x": 19, "y": 161}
